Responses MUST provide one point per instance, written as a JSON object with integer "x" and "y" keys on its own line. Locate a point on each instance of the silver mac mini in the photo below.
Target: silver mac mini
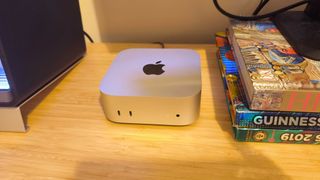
{"x": 153, "y": 86}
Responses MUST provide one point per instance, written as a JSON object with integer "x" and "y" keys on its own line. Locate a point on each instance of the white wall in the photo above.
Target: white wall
{"x": 179, "y": 21}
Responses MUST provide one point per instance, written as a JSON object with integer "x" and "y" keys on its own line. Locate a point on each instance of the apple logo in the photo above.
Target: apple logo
{"x": 155, "y": 69}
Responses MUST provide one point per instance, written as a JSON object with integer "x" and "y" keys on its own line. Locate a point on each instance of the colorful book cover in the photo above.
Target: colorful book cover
{"x": 226, "y": 54}
{"x": 277, "y": 136}
{"x": 243, "y": 117}
{"x": 274, "y": 76}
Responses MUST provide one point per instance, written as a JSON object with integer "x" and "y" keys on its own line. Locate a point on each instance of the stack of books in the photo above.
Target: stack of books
{"x": 273, "y": 94}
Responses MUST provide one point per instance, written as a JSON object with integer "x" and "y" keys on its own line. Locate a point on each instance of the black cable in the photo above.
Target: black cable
{"x": 261, "y": 1}
{"x": 88, "y": 36}
{"x": 160, "y": 43}
{"x": 252, "y": 18}
{"x": 260, "y": 6}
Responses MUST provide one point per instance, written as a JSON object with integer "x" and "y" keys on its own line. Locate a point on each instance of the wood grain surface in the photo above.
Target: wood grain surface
{"x": 70, "y": 138}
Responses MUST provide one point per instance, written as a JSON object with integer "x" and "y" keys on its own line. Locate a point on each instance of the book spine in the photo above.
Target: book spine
{"x": 243, "y": 73}
{"x": 277, "y": 136}
{"x": 278, "y": 120}
{"x": 226, "y": 55}
{"x": 221, "y": 67}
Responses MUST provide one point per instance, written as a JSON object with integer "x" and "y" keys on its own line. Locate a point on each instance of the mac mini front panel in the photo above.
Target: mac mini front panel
{"x": 153, "y": 86}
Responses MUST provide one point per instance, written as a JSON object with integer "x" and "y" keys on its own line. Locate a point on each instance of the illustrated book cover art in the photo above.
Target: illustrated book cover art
{"x": 248, "y": 125}
{"x": 274, "y": 76}
{"x": 243, "y": 117}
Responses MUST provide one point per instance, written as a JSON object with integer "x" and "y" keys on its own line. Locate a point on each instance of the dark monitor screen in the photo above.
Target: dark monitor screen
{"x": 39, "y": 40}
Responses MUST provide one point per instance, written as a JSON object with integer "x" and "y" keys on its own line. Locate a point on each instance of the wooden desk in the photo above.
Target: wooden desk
{"x": 71, "y": 138}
